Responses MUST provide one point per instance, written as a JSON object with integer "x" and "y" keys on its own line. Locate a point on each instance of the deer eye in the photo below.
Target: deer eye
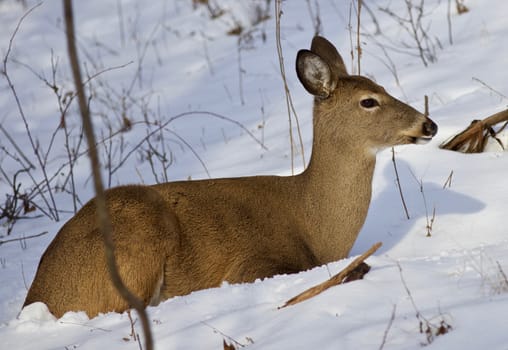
{"x": 369, "y": 103}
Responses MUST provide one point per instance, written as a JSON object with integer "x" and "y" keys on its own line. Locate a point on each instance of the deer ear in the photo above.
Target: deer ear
{"x": 314, "y": 74}
{"x": 325, "y": 49}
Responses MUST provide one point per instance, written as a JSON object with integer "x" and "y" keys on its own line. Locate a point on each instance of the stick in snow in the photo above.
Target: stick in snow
{"x": 334, "y": 280}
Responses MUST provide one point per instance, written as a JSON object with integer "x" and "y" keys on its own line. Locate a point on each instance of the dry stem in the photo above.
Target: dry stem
{"x": 448, "y": 182}
{"x": 53, "y": 211}
{"x": 388, "y": 327}
{"x": 397, "y": 178}
{"x": 474, "y": 138}
{"x": 289, "y": 100}
{"x": 100, "y": 200}
{"x": 430, "y": 330}
{"x": 358, "y": 46}
{"x": 23, "y": 238}
{"x": 334, "y": 280}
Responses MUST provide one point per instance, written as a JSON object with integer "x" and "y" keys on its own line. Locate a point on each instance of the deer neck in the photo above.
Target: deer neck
{"x": 337, "y": 191}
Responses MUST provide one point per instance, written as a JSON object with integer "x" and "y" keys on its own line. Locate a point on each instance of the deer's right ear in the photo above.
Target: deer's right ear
{"x": 314, "y": 74}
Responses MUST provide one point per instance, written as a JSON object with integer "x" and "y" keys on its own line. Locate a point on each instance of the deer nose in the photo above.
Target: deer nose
{"x": 429, "y": 128}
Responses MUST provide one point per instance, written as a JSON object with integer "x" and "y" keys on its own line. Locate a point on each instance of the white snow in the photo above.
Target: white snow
{"x": 178, "y": 60}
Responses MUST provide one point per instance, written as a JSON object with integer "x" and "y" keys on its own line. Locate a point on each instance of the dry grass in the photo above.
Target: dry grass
{"x": 474, "y": 138}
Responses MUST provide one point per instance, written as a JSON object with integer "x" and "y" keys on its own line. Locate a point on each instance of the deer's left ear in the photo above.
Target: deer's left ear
{"x": 325, "y": 49}
{"x": 315, "y": 74}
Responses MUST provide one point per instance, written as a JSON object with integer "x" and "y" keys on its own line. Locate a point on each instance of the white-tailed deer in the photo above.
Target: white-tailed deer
{"x": 174, "y": 238}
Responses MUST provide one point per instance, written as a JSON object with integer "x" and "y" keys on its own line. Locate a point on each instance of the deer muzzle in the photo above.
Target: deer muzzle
{"x": 428, "y": 131}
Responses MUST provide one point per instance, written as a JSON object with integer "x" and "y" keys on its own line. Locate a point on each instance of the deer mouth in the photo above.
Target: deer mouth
{"x": 423, "y": 133}
{"x": 421, "y": 140}
{"x": 417, "y": 140}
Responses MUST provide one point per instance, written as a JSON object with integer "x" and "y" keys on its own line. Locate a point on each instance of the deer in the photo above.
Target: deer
{"x": 177, "y": 237}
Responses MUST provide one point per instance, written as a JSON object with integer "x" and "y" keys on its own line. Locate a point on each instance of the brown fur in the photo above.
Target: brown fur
{"x": 178, "y": 237}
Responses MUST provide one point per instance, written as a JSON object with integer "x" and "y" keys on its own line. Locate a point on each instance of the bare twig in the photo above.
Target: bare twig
{"x": 134, "y": 335}
{"x": 503, "y": 275}
{"x": 350, "y": 30}
{"x": 289, "y": 100}
{"x": 229, "y": 338}
{"x": 449, "y": 20}
{"x": 413, "y": 23}
{"x": 18, "y": 149}
{"x": 193, "y": 151}
{"x": 388, "y": 327}
{"x": 23, "y": 276}
{"x": 176, "y": 117}
{"x": 426, "y": 327}
{"x": 241, "y": 71}
{"x": 23, "y": 238}
{"x": 491, "y": 88}
{"x": 387, "y": 61}
{"x": 430, "y": 220}
{"x": 84, "y": 325}
{"x": 373, "y": 18}
{"x": 100, "y": 201}
{"x": 315, "y": 18}
{"x": 414, "y": 27}
{"x": 334, "y": 280}
{"x": 17, "y": 205}
{"x": 448, "y": 182}
{"x": 51, "y": 208}
{"x": 358, "y": 43}
{"x": 426, "y": 99}
{"x": 119, "y": 8}
{"x": 397, "y": 178}
{"x": 408, "y": 292}
{"x": 141, "y": 57}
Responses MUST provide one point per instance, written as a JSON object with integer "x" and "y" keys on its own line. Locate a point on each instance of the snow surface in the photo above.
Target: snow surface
{"x": 186, "y": 63}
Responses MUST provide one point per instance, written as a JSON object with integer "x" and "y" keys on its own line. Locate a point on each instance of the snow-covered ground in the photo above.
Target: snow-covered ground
{"x": 153, "y": 61}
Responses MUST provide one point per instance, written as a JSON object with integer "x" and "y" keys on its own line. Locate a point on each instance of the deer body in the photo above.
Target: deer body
{"x": 174, "y": 238}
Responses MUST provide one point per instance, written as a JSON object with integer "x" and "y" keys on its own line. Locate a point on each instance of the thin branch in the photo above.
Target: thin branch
{"x": 490, "y": 88}
{"x": 241, "y": 71}
{"x": 358, "y": 44}
{"x": 218, "y": 331}
{"x": 448, "y": 182}
{"x": 316, "y": 20}
{"x": 289, "y": 100}
{"x": 334, "y": 280}
{"x": 192, "y": 150}
{"x": 503, "y": 274}
{"x": 373, "y": 18}
{"x": 398, "y": 184}
{"x": 419, "y": 316}
{"x": 100, "y": 200}
{"x": 430, "y": 221}
{"x": 11, "y": 40}
{"x": 178, "y": 116}
{"x": 18, "y": 149}
{"x": 23, "y": 238}
{"x": 350, "y": 30}
{"x": 414, "y": 29}
{"x": 52, "y": 209}
{"x": 449, "y": 20}
{"x": 426, "y": 99}
{"x": 388, "y": 327}
{"x": 430, "y": 330}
